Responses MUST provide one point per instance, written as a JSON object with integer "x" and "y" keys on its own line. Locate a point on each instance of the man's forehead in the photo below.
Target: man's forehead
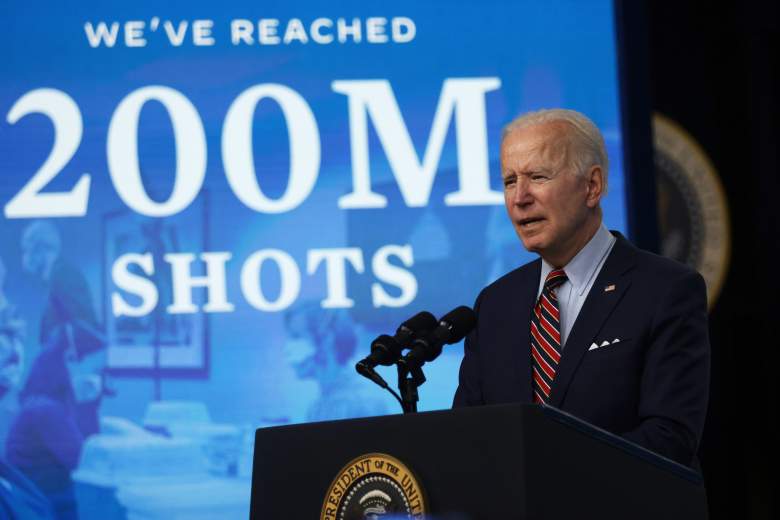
{"x": 533, "y": 147}
{"x": 536, "y": 137}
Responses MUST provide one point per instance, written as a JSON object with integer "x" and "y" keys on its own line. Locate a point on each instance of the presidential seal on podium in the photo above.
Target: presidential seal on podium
{"x": 372, "y": 486}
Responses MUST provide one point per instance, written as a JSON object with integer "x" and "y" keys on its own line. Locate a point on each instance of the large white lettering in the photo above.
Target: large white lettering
{"x": 133, "y": 284}
{"x": 184, "y": 282}
{"x": 336, "y": 273}
{"x": 465, "y": 98}
{"x": 290, "y": 277}
{"x": 461, "y": 100}
{"x": 394, "y": 275}
{"x": 32, "y": 201}
{"x": 335, "y": 262}
{"x": 190, "y": 139}
{"x": 304, "y": 148}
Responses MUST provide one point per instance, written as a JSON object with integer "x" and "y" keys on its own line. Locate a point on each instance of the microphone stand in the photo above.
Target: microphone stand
{"x": 409, "y": 379}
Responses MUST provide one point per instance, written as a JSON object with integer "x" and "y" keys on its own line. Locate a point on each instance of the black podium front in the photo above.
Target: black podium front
{"x": 491, "y": 462}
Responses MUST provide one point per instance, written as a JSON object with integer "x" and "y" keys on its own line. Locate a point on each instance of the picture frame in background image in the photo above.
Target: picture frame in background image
{"x": 159, "y": 343}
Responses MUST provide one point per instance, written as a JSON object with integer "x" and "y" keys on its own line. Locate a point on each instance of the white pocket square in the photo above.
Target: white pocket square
{"x": 594, "y": 346}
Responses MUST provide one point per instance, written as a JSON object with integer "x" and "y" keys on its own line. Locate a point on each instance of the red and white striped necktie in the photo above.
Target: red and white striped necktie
{"x": 546, "y": 336}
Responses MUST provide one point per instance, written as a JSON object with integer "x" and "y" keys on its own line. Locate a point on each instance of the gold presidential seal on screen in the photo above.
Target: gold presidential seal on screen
{"x": 373, "y": 486}
{"x": 692, "y": 209}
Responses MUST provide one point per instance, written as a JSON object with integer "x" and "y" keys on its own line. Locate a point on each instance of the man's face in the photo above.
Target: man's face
{"x": 547, "y": 204}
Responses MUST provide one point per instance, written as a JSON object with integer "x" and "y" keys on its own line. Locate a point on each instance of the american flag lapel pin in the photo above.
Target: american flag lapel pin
{"x": 610, "y": 287}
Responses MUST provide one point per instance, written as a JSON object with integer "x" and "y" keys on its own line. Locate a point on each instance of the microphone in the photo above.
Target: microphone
{"x": 452, "y": 328}
{"x": 385, "y": 350}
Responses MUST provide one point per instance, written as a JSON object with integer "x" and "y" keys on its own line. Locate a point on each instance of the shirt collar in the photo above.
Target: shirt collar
{"x": 582, "y": 268}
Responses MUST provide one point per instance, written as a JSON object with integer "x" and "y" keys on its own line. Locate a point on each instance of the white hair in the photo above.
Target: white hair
{"x": 585, "y": 141}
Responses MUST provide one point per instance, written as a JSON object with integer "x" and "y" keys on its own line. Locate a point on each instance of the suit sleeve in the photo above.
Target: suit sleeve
{"x": 675, "y": 378}
{"x": 469, "y": 392}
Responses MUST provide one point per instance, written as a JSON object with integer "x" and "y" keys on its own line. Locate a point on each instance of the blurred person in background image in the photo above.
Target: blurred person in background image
{"x": 320, "y": 344}
{"x": 69, "y": 296}
{"x": 20, "y": 499}
{"x": 58, "y": 411}
{"x": 59, "y": 401}
{"x": 11, "y": 357}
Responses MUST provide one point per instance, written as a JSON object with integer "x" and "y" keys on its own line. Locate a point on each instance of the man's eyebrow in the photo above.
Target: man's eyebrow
{"x": 522, "y": 172}
{"x": 532, "y": 171}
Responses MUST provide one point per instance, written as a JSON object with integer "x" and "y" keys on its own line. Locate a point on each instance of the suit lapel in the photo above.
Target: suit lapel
{"x": 522, "y": 307}
{"x": 596, "y": 309}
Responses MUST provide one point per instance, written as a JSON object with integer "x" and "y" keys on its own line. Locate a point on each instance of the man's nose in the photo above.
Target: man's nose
{"x": 521, "y": 196}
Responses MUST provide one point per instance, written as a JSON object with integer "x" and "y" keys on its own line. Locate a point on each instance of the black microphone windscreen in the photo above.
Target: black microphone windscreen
{"x": 459, "y": 322}
{"x": 420, "y": 322}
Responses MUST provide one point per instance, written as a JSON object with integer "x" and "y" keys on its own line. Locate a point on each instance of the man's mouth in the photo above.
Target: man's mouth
{"x": 529, "y": 222}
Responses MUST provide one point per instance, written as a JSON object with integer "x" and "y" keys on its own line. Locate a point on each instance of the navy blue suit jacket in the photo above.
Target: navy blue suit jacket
{"x": 651, "y": 387}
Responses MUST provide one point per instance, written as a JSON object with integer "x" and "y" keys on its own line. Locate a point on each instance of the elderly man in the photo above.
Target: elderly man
{"x": 596, "y": 327}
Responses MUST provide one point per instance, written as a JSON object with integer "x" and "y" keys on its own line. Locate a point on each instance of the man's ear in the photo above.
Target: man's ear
{"x": 594, "y": 179}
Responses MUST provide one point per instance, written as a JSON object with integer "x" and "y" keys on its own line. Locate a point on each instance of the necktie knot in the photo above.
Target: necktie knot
{"x": 555, "y": 278}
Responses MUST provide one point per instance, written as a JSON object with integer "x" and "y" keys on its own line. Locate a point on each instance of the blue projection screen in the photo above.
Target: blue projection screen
{"x": 210, "y": 209}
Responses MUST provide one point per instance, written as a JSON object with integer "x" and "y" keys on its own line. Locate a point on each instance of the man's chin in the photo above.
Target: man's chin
{"x": 533, "y": 244}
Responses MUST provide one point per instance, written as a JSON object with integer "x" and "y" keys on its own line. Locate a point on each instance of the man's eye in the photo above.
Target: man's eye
{"x": 540, "y": 177}
{"x": 509, "y": 181}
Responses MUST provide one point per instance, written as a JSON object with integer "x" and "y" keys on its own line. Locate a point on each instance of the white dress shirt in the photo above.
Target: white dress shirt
{"x": 581, "y": 272}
